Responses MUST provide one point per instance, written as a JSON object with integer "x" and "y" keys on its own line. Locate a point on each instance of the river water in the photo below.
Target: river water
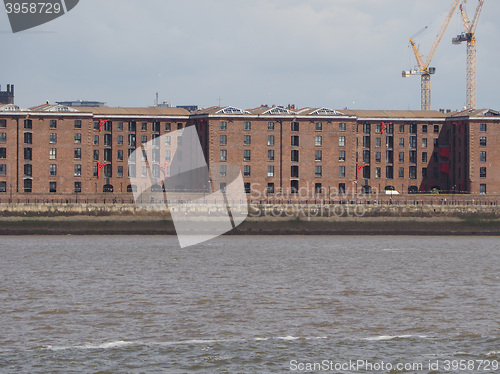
{"x": 259, "y": 304}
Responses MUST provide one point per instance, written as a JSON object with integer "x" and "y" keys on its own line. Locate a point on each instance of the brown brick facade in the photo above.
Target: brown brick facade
{"x": 308, "y": 153}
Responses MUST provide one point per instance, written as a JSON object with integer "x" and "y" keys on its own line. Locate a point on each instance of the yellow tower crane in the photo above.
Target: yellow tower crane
{"x": 424, "y": 70}
{"x": 469, "y": 35}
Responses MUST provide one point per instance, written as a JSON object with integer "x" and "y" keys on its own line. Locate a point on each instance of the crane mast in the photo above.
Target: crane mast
{"x": 469, "y": 35}
{"x": 424, "y": 70}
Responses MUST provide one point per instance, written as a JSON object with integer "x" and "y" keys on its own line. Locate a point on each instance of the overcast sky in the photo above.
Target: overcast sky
{"x": 332, "y": 53}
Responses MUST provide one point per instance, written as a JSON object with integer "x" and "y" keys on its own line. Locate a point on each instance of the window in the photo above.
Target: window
{"x": 318, "y": 155}
{"x": 247, "y": 125}
{"x": 52, "y": 187}
{"x": 28, "y": 124}
{"x": 96, "y": 139}
{"x": 342, "y": 126}
{"x": 270, "y": 171}
{"x": 342, "y": 188}
{"x": 223, "y": 140}
{"x": 96, "y": 125}
{"x": 482, "y": 141}
{"x": 366, "y": 141}
{"x": 319, "y": 126}
{"x": 28, "y": 138}
{"x": 53, "y": 169}
{"x": 78, "y": 153}
{"x": 413, "y": 172}
{"x": 144, "y": 139}
{"x": 28, "y": 184}
{"x": 436, "y": 129}
{"x": 96, "y": 155}
{"x": 223, "y": 170}
{"x": 247, "y": 139}
{"x": 119, "y": 172}
{"x": 167, "y": 140}
{"x": 378, "y": 157}
{"x": 270, "y": 155}
{"x": 294, "y": 171}
{"x": 318, "y": 141}
{"x": 53, "y": 124}
{"x": 270, "y": 125}
{"x": 366, "y": 156}
{"x": 156, "y": 126}
{"x": 168, "y": 126}
{"x": 413, "y": 142}
{"x": 3, "y": 152}
{"x": 436, "y": 172}
{"x": 424, "y": 142}
{"x": 295, "y": 141}
{"x": 167, "y": 155}
{"x": 52, "y": 153}
{"x": 366, "y": 128}
{"x": 223, "y": 155}
{"x": 424, "y": 157}
{"x": 78, "y": 187}
{"x": 389, "y": 129}
{"x": 294, "y": 126}
{"x": 119, "y": 140}
{"x": 108, "y": 126}
{"x": 482, "y": 156}
{"x": 342, "y": 155}
{"x": 108, "y": 171}
{"x": 270, "y": 140}
{"x": 378, "y": 172}
{"x": 108, "y": 156}
{"x": 401, "y": 172}
{"x": 389, "y": 172}
{"x": 341, "y": 171}
{"x": 401, "y": 157}
{"x": 482, "y": 188}
{"x": 28, "y": 170}
{"x": 424, "y": 129}
{"x": 295, "y": 156}
{"x": 483, "y": 127}
{"x": 179, "y": 140}
{"x": 413, "y": 128}
{"x": 482, "y": 172}
{"x": 78, "y": 170}
{"x": 424, "y": 172}
{"x": 246, "y": 155}
{"x": 131, "y": 126}
{"x": 401, "y": 142}
{"x": 318, "y": 171}
{"x": 378, "y": 142}
{"x": 119, "y": 127}
{"x": 223, "y": 125}
{"x": 3, "y": 169}
{"x": 247, "y": 187}
{"x": 131, "y": 140}
{"x": 3, "y": 123}
{"x": 28, "y": 154}
{"x": 144, "y": 126}
{"x": 132, "y": 170}
{"x": 119, "y": 155}
{"x": 270, "y": 188}
{"x": 389, "y": 157}
{"x": 389, "y": 141}
{"x": 401, "y": 128}
{"x": 246, "y": 170}
{"x": 378, "y": 128}
{"x": 341, "y": 141}
{"x": 53, "y": 138}
{"x": 144, "y": 155}
{"x": 78, "y": 138}
{"x": 3, "y": 137}
{"x": 413, "y": 157}
{"x": 179, "y": 126}
{"x": 107, "y": 139}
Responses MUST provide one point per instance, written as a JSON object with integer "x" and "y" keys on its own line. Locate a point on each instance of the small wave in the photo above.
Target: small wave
{"x": 493, "y": 353}
{"x": 107, "y": 345}
{"x": 391, "y": 337}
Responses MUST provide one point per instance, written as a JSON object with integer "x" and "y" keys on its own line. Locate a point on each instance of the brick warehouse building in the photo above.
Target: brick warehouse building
{"x": 55, "y": 150}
